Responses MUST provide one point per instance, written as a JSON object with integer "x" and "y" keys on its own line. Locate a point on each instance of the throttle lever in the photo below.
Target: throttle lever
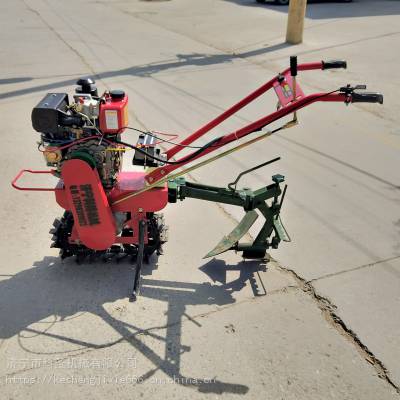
{"x": 348, "y": 89}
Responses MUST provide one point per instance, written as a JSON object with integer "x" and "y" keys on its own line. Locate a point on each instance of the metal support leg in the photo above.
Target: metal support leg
{"x": 139, "y": 261}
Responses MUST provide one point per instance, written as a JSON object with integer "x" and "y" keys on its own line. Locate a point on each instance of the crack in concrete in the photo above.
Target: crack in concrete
{"x": 373, "y": 264}
{"x": 328, "y": 310}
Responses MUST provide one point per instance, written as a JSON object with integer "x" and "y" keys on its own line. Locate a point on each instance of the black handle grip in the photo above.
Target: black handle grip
{"x": 293, "y": 65}
{"x": 366, "y": 97}
{"x": 334, "y": 64}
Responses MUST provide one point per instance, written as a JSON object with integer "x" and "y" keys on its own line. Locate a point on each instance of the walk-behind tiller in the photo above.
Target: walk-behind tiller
{"x": 109, "y": 212}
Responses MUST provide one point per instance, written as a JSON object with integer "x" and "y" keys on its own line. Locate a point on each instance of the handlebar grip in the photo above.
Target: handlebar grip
{"x": 367, "y": 97}
{"x": 293, "y": 65}
{"x": 334, "y": 64}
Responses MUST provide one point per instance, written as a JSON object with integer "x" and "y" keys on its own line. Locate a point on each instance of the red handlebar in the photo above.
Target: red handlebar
{"x": 20, "y": 173}
{"x": 248, "y": 99}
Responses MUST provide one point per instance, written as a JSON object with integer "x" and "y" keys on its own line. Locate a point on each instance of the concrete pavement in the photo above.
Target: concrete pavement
{"x": 333, "y": 297}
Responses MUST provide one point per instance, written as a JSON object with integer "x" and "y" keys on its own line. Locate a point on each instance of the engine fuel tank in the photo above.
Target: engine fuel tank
{"x": 113, "y": 116}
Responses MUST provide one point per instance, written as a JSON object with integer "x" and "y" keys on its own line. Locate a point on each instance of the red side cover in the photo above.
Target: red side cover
{"x": 88, "y": 202}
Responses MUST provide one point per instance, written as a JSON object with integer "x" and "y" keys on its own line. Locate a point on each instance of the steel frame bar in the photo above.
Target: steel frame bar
{"x": 160, "y": 172}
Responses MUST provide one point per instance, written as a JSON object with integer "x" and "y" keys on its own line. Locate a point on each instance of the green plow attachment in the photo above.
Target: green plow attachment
{"x": 266, "y": 201}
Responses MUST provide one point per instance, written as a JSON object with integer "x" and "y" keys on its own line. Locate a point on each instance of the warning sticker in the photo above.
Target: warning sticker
{"x": 111, "y": 119}
{"x": 287, "y": 92}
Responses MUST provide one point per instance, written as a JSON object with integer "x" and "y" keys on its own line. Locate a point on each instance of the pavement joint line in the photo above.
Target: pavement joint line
{"x": 344, "y": 163}
{"x": 145, "y": 332}
{"x": 221, "y": 50}
{"x": 53, "y": 30}
{"x": 328, "y": 310}
{"x": 199, "y": 99}
{"x": 365, "y": 39}
{"x": 373, "y": 264}
{"x": 135, "y": 16}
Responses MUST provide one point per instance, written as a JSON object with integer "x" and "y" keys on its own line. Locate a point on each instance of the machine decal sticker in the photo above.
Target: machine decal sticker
{"x": 85, "y": 205}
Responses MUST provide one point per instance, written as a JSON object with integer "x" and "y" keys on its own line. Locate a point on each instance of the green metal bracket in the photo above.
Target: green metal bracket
{"x": 266, "y": 201}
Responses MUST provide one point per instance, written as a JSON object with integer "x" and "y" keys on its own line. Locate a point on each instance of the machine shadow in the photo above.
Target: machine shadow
{"x": 248, "y": 273}
{"x": 148, "y": 70}
{"x": 325, "y": 9}
{"x": 62, "y": 289}
{"x": 9, "y": 81}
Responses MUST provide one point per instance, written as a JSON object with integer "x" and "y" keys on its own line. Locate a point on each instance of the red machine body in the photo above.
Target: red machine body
{"x": 82, "y": 193}
{"x": 130, "y": 182}
{"x": 86, "y": 199}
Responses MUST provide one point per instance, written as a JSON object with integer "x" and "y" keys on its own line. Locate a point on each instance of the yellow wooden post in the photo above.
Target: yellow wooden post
{"x": 295, "y": 24}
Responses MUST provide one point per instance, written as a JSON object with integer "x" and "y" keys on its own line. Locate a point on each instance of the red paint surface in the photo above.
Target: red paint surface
{"x": 86, "y": 199}
{"x": 150, "y": 201}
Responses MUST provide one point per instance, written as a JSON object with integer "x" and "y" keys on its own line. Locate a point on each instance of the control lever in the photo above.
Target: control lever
{"x": 348, "y": 89}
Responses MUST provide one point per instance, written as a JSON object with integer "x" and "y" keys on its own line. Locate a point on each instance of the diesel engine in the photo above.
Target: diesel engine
{"x": 88, "y": 129}
{"x": 75, "y": 130}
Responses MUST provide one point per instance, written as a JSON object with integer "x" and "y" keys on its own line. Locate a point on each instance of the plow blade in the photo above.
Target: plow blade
{"x": 281, "y": 230}
{"x": 230, "y": 240}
